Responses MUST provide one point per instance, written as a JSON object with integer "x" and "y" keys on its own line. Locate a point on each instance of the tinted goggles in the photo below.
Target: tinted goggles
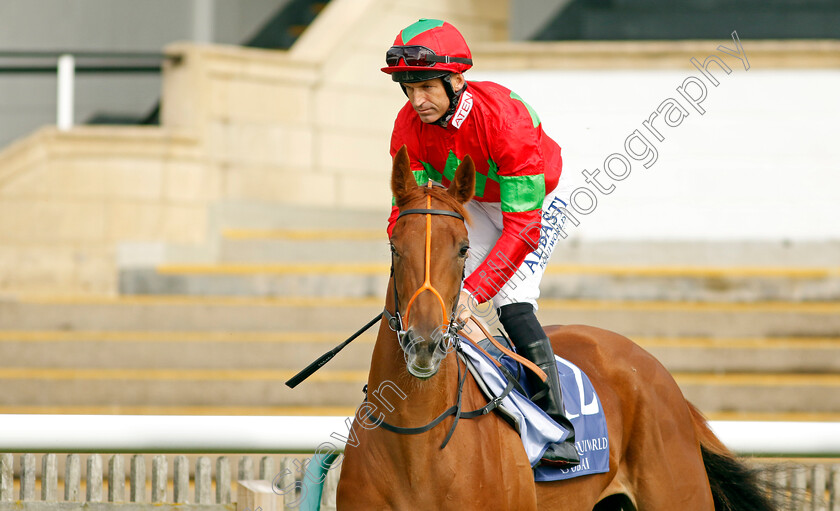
{"x": 419, "y": 56}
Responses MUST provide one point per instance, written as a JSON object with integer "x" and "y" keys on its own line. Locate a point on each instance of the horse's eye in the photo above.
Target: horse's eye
{"x": 464, "y": 251}
{"x": 393, "y": 249}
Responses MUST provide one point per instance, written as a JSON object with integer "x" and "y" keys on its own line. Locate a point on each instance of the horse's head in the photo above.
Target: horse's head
{"x": 429, "y": 246}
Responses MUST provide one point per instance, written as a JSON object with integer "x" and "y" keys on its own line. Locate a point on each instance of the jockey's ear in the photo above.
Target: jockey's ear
{"x": 463, "y": 186}
{"x": 457, "y": 80}
{"x": 402, "y": 179}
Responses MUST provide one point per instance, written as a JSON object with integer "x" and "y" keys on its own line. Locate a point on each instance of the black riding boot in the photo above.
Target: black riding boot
{"x": 531, "y": 342}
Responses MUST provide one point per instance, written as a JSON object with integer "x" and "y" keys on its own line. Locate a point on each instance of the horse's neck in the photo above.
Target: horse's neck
{"x": 404, "y": 400}
{"x": 424, "y": 400}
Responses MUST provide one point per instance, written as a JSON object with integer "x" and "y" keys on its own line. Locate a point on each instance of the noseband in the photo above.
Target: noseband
{"x": 396, "y": 321}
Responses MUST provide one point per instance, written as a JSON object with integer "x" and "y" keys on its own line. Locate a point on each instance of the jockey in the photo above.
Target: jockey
{"x": 515, "y": 213}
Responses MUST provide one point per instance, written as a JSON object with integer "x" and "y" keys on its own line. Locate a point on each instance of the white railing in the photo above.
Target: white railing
{"x": 279, "y": 434}
{"x": 812, "y": 439}
{"x": 66, "y": 64}
{"x": 811, "y": 485}
{"x": 66, "y": 97}
{"x": 168, "y": 433}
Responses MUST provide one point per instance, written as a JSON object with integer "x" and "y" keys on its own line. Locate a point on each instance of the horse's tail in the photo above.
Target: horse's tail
{"x": 735, "y": 486}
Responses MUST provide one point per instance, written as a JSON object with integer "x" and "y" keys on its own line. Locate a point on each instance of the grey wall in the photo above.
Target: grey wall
{"x": 529, "y": 17}
{"x": 29, "y": 101}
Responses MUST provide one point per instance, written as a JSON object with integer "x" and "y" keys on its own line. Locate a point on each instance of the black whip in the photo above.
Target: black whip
{"x": 326, "y": 357}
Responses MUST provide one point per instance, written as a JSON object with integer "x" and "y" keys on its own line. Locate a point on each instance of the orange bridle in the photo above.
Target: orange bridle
{"x": 427, "y": 283}
{"x": 449, "y": 333}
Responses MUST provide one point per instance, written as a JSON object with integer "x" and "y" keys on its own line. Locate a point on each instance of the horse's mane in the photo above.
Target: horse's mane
{"x": 437, "y": 192}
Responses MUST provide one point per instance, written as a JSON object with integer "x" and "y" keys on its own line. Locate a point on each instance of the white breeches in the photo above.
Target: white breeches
{"x": 486, "y": 228}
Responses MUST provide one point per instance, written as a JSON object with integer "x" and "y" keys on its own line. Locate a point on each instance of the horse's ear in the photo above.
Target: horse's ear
{"x": 463, "y": 186}
{"x": 402, "y": 178}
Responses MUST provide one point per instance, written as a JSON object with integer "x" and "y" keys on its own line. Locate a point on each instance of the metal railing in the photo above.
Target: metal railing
{"x": 67, "y": 63}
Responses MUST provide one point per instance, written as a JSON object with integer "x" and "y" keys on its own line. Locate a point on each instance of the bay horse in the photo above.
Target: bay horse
{"x": 663, "y": 456}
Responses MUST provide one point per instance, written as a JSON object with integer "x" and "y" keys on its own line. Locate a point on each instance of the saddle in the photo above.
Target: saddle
{"x": 492, "y": 370}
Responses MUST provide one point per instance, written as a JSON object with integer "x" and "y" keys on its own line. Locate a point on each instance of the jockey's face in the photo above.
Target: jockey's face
{"x": 429, "y": 98}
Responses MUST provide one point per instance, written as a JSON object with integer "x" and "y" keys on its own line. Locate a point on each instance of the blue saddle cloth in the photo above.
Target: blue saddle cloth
{"x": 535, "y": 427}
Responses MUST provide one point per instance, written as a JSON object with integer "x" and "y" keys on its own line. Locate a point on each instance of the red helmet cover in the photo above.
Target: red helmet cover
{"x": 440, "y": 37}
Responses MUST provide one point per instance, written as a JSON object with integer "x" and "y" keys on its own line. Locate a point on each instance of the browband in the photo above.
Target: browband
{"x": 430, "y": 212}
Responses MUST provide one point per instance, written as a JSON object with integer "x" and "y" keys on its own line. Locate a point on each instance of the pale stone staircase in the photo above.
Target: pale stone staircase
{"x": 749, "y": 330}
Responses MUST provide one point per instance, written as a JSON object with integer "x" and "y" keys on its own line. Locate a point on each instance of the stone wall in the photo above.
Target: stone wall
{"x": 306, "y": 127}
{"x": 309, "y": 126}
{"x": 67, "y": 199}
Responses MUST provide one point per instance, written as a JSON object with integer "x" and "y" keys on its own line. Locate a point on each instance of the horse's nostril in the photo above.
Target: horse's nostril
{"x": 412, "y": 342}
{"x": 409, "y": 336}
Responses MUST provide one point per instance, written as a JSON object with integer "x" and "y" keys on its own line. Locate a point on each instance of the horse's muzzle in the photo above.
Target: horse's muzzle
{"x": 423, "y": 356}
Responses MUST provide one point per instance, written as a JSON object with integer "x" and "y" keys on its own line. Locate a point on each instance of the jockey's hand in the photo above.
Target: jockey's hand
{"x": 466, "y": 304}
{"x": 469, "y": 322}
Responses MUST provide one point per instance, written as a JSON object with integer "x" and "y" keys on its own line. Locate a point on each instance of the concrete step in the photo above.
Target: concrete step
{"x": 358, "y": 243}
{"x": 808, "y": 416}
{"x": 608, "y": 282}
{"x": 283, "y": 251}
{"x": 765, "y": 392}
{"x": 177, "y": 387}
{"x": 711, "y": 392}
{"x": 309, "y": 232}
{"x": 295, "y": 350}
{"x": 234, "y": 214}
{"x": 692, "y": 283}
{"x": 176, "y": 352}
{"x": 276, "y": 280}
{"x": 187, "y": 313}
{"x": 684, "y": 319}
{"x": 746, "y": 355}
{"x": 236, "y": 371}
{"x": 180, "y": 350}
{"x": 253, "y": 314}
{"x": 303, "y": 245}
{"x": 235, "y": 221}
